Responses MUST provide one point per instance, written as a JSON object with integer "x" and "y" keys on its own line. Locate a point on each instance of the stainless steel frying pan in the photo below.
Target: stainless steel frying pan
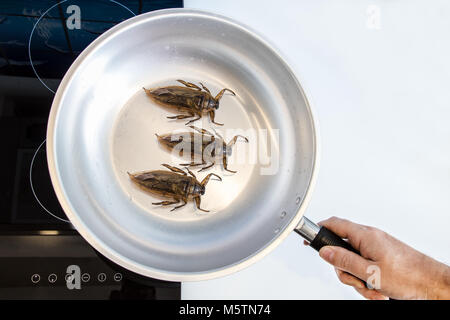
{"x": 102, "y": 125}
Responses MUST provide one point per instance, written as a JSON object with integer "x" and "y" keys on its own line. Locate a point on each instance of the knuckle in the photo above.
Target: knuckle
{"x": 331, "y": 220}
{"x": 374, "y": 233}
{"x": 368, "y": 232}
{"x": 334, "y": 219}
{"x": 345, "y": 261}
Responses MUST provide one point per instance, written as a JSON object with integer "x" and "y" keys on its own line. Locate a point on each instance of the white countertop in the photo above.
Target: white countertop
{"x": 378, "y": 74}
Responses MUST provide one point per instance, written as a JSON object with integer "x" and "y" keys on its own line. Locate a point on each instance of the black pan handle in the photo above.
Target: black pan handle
{"x": 319, "y": 237}
{"x": 325, "y": 237}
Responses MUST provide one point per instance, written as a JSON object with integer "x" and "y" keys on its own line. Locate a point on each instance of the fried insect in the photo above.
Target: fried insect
{"x": 175, "y": 185}
{"x": 189, "y": 100}
{"x": 206, "y": 145}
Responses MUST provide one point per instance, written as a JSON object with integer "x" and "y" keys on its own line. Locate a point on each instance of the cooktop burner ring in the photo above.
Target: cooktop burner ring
{"x": 37, "y": 22}
{"x": 29, "y": 51}
{"x": 32, "y": 186}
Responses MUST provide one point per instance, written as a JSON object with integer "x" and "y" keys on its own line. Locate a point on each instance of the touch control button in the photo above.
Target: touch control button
{"x": 85, "y": 277}
{"x": 69, "y": 277}
{"x": 117, "y": 277}
{"x": 101, "y": 277}
{"x": 52, "y": 278}
{"x": 35, "y": 278}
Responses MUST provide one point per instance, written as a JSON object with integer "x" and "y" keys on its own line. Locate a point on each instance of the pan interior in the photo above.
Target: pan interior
{"x": 105, "y": 126}
{"x": 136, "y": 149}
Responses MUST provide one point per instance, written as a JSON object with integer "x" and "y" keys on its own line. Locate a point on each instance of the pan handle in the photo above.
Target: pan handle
{"x": 320, "y": 236}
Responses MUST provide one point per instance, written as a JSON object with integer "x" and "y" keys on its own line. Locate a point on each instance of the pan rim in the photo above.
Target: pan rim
{"x": 109, "y": 252}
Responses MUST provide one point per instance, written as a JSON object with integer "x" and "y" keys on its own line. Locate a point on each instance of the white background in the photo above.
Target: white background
{"x": 381, "y": 91}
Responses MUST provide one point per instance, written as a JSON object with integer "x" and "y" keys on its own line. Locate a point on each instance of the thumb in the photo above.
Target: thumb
{"x": 346, "y": 260}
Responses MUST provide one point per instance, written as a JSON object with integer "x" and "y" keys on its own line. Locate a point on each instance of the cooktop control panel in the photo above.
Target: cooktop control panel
{"x": 66, "y": 267}
{"x": 74, "y": 273}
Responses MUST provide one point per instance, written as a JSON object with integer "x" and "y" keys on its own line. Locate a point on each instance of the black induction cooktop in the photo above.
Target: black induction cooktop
{"x": 41, "y": 254}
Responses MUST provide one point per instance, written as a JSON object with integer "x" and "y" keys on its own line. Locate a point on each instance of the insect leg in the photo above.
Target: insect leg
{"x": 166, "y": 203}
{"x": 205, "y": 88}
{"x": 190, "y": 121}
{"x": 181, "y": 116}
{"x": 197, "y": 203}
{"x": 212, "y": 115}
{"x": 225, "y": 164}
{"x": 233, "y": 141}
{"x": 201, "y": 130}
{"x": 181, "y": 205}
{"x": 220, "y": 94}
{"x": 189, "y": 85}
{"x": 191, "y": 173}
{"x": 206, "y": 179}
{"x": 207, "y": 167}
{"x": 192, "y": 164}
{"x": 174, "y": 169}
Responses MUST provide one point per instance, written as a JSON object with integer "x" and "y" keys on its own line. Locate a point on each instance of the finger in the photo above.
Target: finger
{"x": 348, "y": 279}
{"x": 345, "y": 229}
{"x": 342, "y": 227}
{"x": 371, "y": 294}
{"x": 346, "y": 260}
{"x": 306, "y": 243}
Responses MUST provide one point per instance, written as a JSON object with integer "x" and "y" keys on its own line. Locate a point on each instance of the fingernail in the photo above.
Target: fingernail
{"x": 326, "y": 253}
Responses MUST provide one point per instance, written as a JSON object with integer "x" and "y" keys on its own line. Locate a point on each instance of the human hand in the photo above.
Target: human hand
{"x": 393, "y": 268}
